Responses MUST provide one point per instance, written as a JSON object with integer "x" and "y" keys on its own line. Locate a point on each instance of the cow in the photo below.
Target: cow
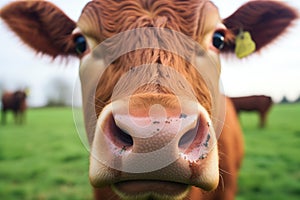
{"x": 16, "y": 102}
{"x": 257, "y": 103}
{"x": 157, "y": 125}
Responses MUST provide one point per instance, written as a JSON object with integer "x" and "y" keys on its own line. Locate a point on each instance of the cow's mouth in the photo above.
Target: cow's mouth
{"x": 148, "y": 189}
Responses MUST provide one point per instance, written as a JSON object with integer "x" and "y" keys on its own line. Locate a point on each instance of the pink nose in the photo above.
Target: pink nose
{"x": 146, "y": 139}
{"x": 154, "y": 138}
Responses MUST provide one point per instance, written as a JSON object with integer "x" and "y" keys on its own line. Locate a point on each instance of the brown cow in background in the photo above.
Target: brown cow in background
{"x": 259, "y": 103}
{"x": 16, "y": 102}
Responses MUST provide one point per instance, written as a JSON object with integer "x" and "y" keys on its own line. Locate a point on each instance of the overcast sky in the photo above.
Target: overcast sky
{"x": 274, "y": 72}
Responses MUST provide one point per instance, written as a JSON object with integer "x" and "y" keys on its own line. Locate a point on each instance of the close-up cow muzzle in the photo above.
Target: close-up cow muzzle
{"x": 153, "y": 129}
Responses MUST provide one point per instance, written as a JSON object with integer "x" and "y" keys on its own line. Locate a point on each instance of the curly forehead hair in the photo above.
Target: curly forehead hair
{"x": 102, "y": 19}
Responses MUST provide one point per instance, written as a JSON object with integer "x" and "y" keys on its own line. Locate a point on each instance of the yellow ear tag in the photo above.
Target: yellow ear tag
{"x": 244, "y": 45}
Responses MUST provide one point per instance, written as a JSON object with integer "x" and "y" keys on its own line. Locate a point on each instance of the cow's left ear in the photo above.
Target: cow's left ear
{"x": 42, "y": 26}
{"x": 263, "y": 21}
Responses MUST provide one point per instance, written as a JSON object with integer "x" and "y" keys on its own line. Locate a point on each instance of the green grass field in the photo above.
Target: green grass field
{"x": 271, "y": 169}
{"x": 44, "y": 159}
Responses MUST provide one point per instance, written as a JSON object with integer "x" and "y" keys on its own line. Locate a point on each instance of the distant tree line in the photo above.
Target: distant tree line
{"x": 285, "y": 100}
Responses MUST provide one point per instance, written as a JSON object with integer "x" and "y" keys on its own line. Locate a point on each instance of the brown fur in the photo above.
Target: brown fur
{"x": 50, "y": 33}
{"x": 260, "y": 104}
{"x": 102, "y": 20}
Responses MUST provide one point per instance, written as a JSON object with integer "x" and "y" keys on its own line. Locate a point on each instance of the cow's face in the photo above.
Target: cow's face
{"x": 150, "y": 74}
{"x": 151, "y": 129}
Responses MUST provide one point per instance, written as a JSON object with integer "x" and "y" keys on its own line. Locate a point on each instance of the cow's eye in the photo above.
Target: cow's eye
{"x": 218, "y": 40}
{"x": 80, "y": 44}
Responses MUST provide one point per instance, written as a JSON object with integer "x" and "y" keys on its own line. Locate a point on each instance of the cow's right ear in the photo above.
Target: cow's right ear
{"x": 42, "y": 26}
{"x": 257, "y": 24}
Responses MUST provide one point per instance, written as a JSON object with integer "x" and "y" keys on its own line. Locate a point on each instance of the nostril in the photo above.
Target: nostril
{"x": 191, "y": 137}
{"x": 187, "y": 139}
{"x": 195, "y": 142}
{"x": 117, "y": 135}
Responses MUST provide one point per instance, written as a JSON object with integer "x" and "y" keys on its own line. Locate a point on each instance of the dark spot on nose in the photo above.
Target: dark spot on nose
{"x": 182, "y": 115}
{"x": 203, "y": 156}
{"x": 207, "y": 139}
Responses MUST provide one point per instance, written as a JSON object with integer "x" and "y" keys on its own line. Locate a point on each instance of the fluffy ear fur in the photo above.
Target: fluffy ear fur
{"x": 265, "y": 20}
{"x": 42, "y": 26}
